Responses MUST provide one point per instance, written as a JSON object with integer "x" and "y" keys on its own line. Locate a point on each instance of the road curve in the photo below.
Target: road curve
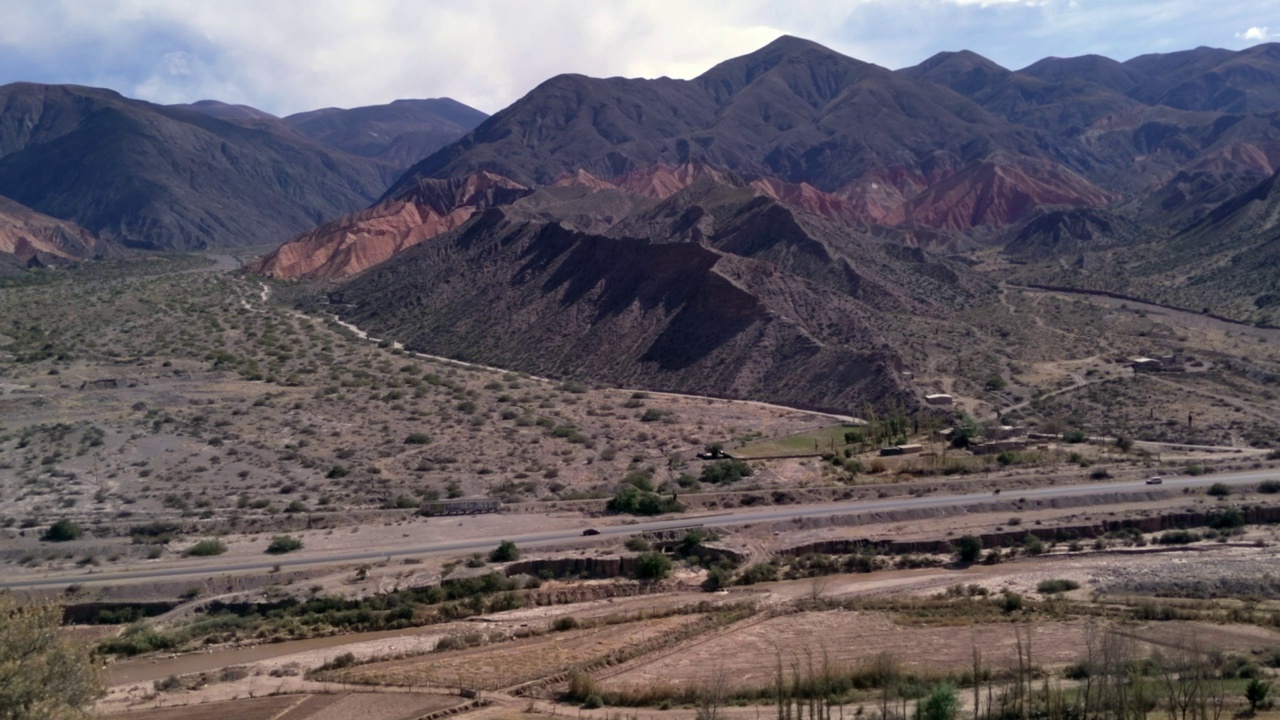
{"x": 725, "y": 519}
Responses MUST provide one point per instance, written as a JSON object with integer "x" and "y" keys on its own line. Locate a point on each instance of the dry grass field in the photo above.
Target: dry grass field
{"x": 511, "y": 663}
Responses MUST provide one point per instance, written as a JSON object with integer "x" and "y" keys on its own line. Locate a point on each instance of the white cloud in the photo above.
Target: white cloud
{"x": 1256, "y": 34}
{"x": 285, "y": 56}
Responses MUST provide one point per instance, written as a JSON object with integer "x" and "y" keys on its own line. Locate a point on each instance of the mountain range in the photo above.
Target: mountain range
{"x": 756, "y": 231}
{"x": 206, "y": 175}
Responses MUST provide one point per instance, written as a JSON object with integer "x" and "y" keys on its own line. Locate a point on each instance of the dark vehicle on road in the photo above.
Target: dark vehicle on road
{"x": 591, "y": 531}
{"x": 1155, "y": 480}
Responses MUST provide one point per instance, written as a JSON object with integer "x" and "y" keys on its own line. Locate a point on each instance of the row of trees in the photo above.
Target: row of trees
{"x": 1116, "y": 679}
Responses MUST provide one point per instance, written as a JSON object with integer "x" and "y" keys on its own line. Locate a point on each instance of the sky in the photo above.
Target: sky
{"x": 287, "y": 56}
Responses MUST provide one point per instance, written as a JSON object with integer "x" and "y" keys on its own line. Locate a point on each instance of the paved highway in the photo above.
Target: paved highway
{"x": 725, "y": 519}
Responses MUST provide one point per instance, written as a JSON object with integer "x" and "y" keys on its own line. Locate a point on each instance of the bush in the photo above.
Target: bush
{"x": 942, "y": 704}
{"x": 505, "y": 552}
{"x": 1228, "y": 519}
{"x": 282, "y": 544}
{"x": 207, "y": 548}
{"x": 344, "y": 660}
{"x": 1179, "y": 537}
{"x": 1075, "y": 436}
{"x": 760, "y": 572}
{"x": 631, "y": 500}
{"x": 1218, "y": 490}
{"x": 562, "y": 624}
{"x": 1012, "y": 601}
{"x": 337, "y": 471}
{"x": 636, "y": 543}
{"x": 1033, "y": 544}
{"x": 717, "y": 577}
{"x": 1052, "y": 587}
{"x": 1269, "y": 487}
{"x": 593, "y": 702}
{"x": 62, "y": 531}
{"x": 968, "y": 549}
{"x": 726, "y": 471}
{"x": 653, "y": 566}
{"x": 417, "y": 439}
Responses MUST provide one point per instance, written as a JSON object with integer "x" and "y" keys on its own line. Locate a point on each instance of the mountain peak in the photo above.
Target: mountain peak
{"x": 730, "y": 77}
{"x": 960, "y": 59}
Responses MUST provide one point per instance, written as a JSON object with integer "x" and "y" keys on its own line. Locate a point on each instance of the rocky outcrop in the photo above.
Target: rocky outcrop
{"x": 717, "y": 290}
{"x": 31, "y": 238}
{"x": 995, "y": 192}
{"x": 354, "y": 243}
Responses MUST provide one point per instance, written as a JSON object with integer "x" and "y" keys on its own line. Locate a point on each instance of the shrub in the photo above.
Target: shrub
{"x": 417, "y": 439}
{"x": 1228, "y": 519}
{"x": 760, "y": 572}
{"x": 505, "y": 552}
{"x": 593, "y": 702}
{"x": 282, "y": 544}
{"x": 942, "y": 704}
{"x": 62, "y": 531}
{"x": 562, "y": 624}
{"x": 1269, "y": 487}
{"x": 1075, "y": 436}
{"x": 636, "y": 543}
{"x": 717, "y": 577}
{"x": 1218, "y": 490}
{"x": 968, "y": 549}
{"x": 653, "y": 566}
{"x": 1052, "y": 587}
{"x": 345, "y": 660}
{"x": 1012, "y": 601}
{"x": 1179, "y": 537}
{"x": 207, "y": 548}
{"x": 337, "y": 471}
{"x": 631, "y": 500}
{"x": 1256, "y": 693}
{"x": 726, "y": 471}
{"x": 1033, "y": 544}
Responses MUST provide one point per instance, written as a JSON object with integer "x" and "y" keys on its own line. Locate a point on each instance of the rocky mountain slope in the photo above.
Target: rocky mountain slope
{"x": 718, "y": 289}
{"x": 150, "y": 176}
{"x": 351, "y": 244}
{"x": 954, "y": 151}
{"x": 29, "y": 238}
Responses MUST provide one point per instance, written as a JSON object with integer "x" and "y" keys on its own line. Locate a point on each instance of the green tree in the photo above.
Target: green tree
{"x": 62, "y": 531}
{"x": 726, "y": 471}
{"x": 505, "y": 552}
{"x": 44, "y": 674}
{"x": 653, "y": 566}
{"x": 968, "y": 549}
{"x": 942, "y": 704}
{"x": 1256, "y": 693}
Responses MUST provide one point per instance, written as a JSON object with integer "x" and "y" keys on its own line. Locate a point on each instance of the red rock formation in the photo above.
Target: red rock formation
{"x": 994, "y": 192}
{"x": 353, "y": 243}
{"x": 29, "y": 235}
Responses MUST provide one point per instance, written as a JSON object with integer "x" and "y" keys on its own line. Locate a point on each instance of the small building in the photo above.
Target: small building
{"x": 940, "y": 399}
{"x": 1146, "y": 364}
{"x": 912, "y": 449}
{"x": 1004, "y": 432}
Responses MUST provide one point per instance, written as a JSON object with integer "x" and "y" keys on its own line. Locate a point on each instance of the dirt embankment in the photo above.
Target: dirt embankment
{"x": 1156, "y": 523}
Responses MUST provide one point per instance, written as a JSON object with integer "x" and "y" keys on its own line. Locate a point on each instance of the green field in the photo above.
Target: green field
{"x": 796, "y": 444}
